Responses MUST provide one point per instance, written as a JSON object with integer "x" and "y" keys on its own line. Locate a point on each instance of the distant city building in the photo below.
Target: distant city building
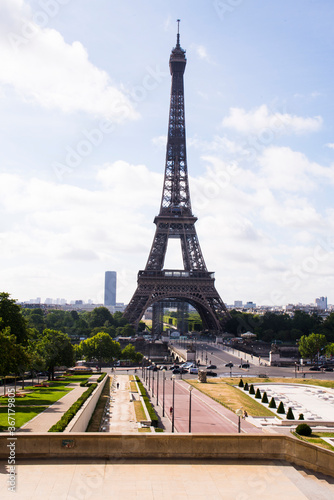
{"x": 249, "y": 305}
{"x": 321, "y": 303}
{"x": 238, "y": 303}
{"x": 110, "y": 288}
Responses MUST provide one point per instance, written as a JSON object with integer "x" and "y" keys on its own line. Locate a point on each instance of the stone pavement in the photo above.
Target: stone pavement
{"x": 164, "y": 480}
{"x": 49, "y": 417}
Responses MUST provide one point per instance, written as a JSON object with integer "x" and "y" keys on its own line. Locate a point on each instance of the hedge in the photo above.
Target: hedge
{"x": 101, "y": 377}
{"x": 61, "y": 425}
{"x": 150, "y": 409}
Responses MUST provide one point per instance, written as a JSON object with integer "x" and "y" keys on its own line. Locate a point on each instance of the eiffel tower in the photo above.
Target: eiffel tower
{"x": 194, "y": 284}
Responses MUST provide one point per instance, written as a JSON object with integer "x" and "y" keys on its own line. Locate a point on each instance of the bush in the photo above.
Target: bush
{"x": 258, "y": 394}
{"x": 303, "y": 430}
{"x": 251, "y": 389}
{"x": 280, "y": 408}
{"x": 301, "y": 416}
{"x": 246, "y": 387}
{"x": 241, "y": 383}
{"x": 272, "y": 403}
{"x": 101, "y": 377}
{"x": 264, "y": 398}
{"x": 290, "y": 415}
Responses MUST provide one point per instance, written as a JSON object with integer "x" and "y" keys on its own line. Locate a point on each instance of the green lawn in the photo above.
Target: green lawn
{"x": 37, "y": 400}
{"x": 21, "y": 417}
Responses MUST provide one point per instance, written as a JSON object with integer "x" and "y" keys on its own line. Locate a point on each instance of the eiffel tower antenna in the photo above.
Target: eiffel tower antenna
{"x": 194, "y": 284}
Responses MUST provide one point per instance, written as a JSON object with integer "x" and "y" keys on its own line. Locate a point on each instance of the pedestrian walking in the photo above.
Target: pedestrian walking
{"x": 171, "y": 410}
{"x": 117, "y": 385}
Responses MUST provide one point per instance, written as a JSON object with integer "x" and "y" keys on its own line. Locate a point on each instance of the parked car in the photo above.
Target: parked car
{"x": 328, "y": 369}
{"x": 180, "y": 370}
{"x": 229, "y": 365}
{"x": 153, "y": 367}
{"x": 315, "y": 368}
{"x": 210, "y": 373}
{"x": 211, "y": 367}
{"x": 244, "y": 365}
{"x": 163, "y": 367}
{"x": 194, "y": 371}
{"x": 172, "y": 367}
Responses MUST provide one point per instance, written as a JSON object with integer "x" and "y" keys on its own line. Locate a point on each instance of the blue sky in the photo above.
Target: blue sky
{"x": 84, "y": 101}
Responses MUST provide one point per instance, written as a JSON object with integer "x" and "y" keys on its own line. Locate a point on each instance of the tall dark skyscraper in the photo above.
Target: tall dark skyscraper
{"x": 110, "y": 288}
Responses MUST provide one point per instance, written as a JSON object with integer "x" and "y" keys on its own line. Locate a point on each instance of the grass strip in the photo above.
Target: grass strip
{"x": 139, "y": 411}
{"x": 231, "y": 397}
{"x": 150, "y": 409}
{"x": 133, "y": 387}
{"x": 315, "y": 438}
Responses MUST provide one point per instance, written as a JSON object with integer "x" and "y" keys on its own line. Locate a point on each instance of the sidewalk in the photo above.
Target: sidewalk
{"x": 122, "y": 417}
{"x": 49, "y": 417}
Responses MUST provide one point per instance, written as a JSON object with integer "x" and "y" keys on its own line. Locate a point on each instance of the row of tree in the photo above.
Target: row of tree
{"x": 26, "y": 348}
{"x": 272, "y": 326}
{"x": 80, "y": 324}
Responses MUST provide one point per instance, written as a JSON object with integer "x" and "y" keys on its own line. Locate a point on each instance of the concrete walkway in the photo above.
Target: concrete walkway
{"x": 49, "y": 417}
{"x": 122, "y": 417}
{"x": 162, "y": 480}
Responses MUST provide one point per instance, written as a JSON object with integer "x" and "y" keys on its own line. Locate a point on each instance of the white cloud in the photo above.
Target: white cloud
{"x": 330, "y": 145}
{"x": 261, "y": 119}
{"x": 42, "y": 68}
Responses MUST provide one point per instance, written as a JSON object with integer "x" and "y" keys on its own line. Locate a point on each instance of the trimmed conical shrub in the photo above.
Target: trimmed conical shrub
{"x": 264, "y": 398}
{"x": 301, "y": 416}
{"x": 251, "y": 389}
{"x": 272, "y": 403}
{"x": 290, "y": 415}
{"x": 246, "y": 387}
{"x": 280, "y": 408}
{"x": 258, "y": 394}
{"x": 241, "y": 383}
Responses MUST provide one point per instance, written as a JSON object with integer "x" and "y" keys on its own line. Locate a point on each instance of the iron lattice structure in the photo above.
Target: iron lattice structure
{"x": 193, "y": 284}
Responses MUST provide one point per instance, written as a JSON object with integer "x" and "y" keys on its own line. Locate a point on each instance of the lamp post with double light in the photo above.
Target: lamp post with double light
{"x": 157, "y": 387}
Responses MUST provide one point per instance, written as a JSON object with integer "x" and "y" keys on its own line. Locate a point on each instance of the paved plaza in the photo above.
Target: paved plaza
{"x": 165, "y": 480}
{"x": 314, "y": 402}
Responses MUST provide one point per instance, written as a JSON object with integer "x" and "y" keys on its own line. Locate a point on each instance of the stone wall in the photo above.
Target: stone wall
{"x": 169, "y": 446}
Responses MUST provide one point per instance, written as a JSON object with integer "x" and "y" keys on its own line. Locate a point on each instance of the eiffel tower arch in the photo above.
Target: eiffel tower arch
{"x": 194, "y": 283}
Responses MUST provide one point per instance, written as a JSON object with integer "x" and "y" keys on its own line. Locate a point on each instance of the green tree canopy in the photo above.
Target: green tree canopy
{"x": 311, "y": 345}
{"x": 100, "y": 347}
{"x": 13, "y": 355}
{"x": 11, "y": 316}
{"x": 55, "y": 349}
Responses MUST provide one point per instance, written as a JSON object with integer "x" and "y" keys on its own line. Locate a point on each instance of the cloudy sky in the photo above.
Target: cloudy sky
{"x": 84, "y": 102}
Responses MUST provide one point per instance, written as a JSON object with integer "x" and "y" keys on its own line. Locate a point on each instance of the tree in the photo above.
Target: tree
{"x": 100, "y": 316}
{"x": 100, "y": 347}
{"x": 13, "y": 355}
{"x": 130, "y": 353}
{"x": 56, "y": 349}
{"x": 330, "y": 349}
{"x": 311, "y": 345}
{"x": 11, "y": 316}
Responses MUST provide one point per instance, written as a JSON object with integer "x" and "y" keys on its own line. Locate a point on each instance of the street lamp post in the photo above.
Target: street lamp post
{"x": 163, "y": 392}
{"x": 190, "y": 390}
{"x": 149, "y": 380}
{"x": 239, "y": 413}
{"x": 153, "y": 383}
{"x": 173, "y": 401}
